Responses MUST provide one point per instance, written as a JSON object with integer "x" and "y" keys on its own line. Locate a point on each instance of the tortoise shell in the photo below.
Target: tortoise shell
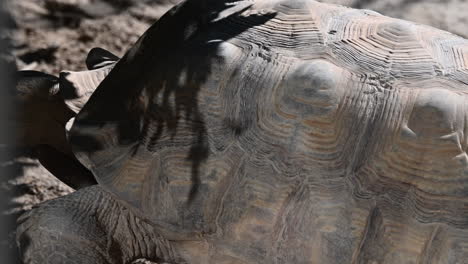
{"x": 288, "y": 132}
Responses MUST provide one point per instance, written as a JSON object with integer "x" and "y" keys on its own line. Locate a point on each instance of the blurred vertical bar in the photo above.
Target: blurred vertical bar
{"x": 7, "y": 71}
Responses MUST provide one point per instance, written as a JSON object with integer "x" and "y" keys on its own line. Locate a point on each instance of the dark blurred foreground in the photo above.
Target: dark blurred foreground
{"x": 7, "y": 67}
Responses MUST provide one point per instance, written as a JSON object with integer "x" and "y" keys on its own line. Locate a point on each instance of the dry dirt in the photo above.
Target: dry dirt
{"x": 53, "y": 35}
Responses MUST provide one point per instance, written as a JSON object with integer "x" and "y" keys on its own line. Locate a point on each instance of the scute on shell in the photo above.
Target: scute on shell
{"x": 291, "y": 132}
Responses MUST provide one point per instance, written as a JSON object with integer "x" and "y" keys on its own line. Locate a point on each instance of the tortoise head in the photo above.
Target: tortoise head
{"x": 45, "y": 104}
{"x": 41, "y": 113}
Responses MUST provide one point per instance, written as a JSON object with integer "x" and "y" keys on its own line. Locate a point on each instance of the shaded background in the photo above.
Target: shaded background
{"x": 54, "y": 35}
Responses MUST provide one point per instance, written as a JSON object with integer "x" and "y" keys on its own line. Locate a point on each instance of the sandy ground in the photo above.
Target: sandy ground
{"x": 53, "y": 35}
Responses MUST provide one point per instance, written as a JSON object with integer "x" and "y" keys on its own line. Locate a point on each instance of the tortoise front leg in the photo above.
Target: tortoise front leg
{"x": 88, "y": 226}
{"x": 62, "y": 231}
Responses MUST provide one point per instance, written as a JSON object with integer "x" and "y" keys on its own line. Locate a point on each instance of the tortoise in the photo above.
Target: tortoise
{"x": 285, "y": 131}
